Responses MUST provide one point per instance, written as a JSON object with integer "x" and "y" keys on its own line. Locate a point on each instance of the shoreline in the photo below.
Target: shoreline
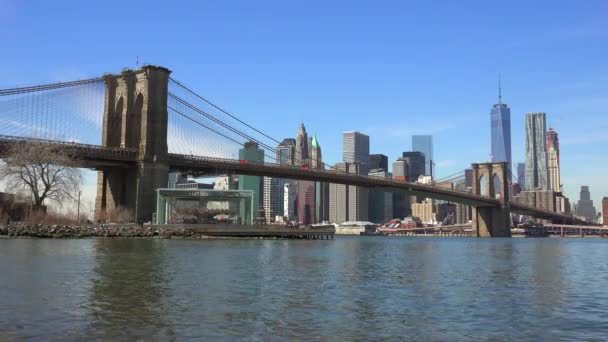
{"x": 48, "y": 231}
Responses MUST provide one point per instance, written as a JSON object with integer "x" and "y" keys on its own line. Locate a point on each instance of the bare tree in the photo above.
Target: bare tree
{"x": 42, "y": 171}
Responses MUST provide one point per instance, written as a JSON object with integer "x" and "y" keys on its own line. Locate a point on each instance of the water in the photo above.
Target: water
{"x": 354, "y": 288}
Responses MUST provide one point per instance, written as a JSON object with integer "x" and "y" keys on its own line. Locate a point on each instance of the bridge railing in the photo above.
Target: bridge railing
{"x": 78, "y": 149}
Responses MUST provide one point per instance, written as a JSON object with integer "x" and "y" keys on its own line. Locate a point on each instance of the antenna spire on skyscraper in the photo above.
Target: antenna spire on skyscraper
{"x": 499, "y": 90}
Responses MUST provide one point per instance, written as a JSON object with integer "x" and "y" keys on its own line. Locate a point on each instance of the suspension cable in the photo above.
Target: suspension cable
{"x": 30, "y": 89}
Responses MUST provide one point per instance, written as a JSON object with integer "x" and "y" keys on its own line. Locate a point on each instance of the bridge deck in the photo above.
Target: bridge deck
{"x": 98, "y": 157}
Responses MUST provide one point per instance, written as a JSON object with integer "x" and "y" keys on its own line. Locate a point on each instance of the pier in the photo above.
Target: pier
{"x": 262, "y": 231}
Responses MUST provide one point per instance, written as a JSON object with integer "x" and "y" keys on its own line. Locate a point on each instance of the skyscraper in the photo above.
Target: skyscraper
{"x": 536, "y": 152}
{"x": 521, "y": 175}
{"x": 301, "y": 146}
{"x": 321, "y": 189}
{"x": 380, "y": 202}
{"x": 289, "y": 200}
{"x": 585, "y": 206}
{"x": 553, "y": 160}
{"x": 355, "y": 148}
{"x": 286, "y": 151}
{"x": 306, "y": 193}
{"x": 251, "y": 152}
{"x": 401, "y": 202}
{"x": 416, "y": 165}
{"x": 306, "y": 202}
{"x": 378, "y": 161}
{"x": 501, "y": 130}
{"x": 315, "y": 154}
{"x": 424, "y": 144}
{"x": 273, "y": 199}
{"x": 348, "y": 202}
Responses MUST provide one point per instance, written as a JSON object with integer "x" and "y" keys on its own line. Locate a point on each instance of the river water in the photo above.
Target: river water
{"x": 350, "y": 288}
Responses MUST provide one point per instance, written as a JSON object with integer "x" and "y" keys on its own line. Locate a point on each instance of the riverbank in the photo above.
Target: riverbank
{"x": 163, "y": 231}
{"x": 94, "y": 231}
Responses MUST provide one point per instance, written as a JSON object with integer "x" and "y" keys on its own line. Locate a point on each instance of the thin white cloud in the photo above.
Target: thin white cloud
{"x": 446, "y": 163}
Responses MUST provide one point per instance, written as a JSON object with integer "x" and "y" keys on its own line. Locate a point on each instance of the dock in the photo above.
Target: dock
{"x": 452, "y": 230}
{"x": 262, "y": 231}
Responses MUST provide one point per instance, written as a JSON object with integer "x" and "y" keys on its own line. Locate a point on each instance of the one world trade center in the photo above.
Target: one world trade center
{"x": 501, "y": 131}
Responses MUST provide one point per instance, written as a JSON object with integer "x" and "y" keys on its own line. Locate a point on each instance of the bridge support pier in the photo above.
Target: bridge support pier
{"x": 490, "y": 179}
{"x": 135, "y": 117}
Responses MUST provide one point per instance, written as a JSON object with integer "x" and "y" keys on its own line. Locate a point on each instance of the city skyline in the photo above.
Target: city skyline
{"x": 394, "y": 84}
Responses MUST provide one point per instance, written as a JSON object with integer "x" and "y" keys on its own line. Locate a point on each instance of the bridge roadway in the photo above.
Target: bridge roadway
{"x": 97, "y": 157}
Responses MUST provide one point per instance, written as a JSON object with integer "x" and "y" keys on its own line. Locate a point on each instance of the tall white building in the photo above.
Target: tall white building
{"x": 289, "y": 200}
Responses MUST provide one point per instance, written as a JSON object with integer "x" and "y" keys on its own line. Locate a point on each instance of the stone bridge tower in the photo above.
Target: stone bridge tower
{"x": 135, "y": 117}
{"x": 490, "y": 179}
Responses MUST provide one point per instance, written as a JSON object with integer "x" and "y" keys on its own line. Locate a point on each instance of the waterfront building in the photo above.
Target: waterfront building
{"x": 424, "y": 144}
{"x": 500, "y": 122}
{"x": 536, "y": 152}
{"x": 585, "y": 206}
{"x": 378, "y": 161}
{"x": 197, "y": 206}
{"x": 553, "y": 160}
{"x": 425, "y": 211}
{"x": 355, "y": 148}
{"x": 251, "y": 152}
{"x": 521, "y": 175}
{"x": 380, "y": 202}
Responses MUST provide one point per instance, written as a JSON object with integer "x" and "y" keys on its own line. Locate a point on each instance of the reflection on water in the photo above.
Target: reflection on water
{"x": 129, "y": 288}
{"x": 345, "y": 289}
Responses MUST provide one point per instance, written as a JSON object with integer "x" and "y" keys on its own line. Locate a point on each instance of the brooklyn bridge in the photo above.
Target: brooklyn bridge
{"x": 137, "y": 126}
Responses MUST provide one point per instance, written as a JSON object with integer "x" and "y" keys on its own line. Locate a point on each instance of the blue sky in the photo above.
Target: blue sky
{"x": 388, "y": 68}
